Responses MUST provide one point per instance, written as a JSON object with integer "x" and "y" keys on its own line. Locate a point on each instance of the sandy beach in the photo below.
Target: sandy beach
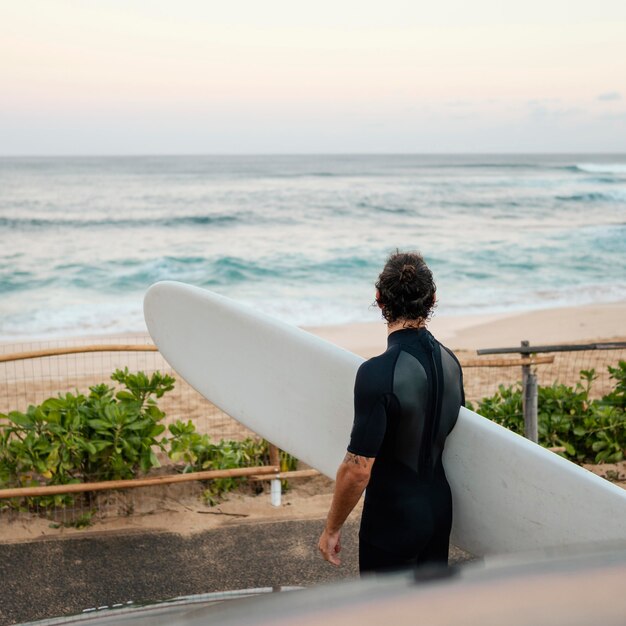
{"x": 601, "y": 323}
{"x": 180, "y": 506}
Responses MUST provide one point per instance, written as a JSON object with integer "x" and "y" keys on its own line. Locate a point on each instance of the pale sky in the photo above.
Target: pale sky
{"x": 323, "y": 76}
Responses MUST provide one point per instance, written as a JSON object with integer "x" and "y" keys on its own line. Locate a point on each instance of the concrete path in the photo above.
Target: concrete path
{"x": 56, "y": 577}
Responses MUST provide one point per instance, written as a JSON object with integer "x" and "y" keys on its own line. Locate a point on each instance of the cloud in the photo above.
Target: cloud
{"x": 538, "y": 102}
{"x": 541, "y": 112}
{"x": 609, "y": 96}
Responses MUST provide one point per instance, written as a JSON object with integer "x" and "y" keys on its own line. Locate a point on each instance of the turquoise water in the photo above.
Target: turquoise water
{"x": 303, "y": 237}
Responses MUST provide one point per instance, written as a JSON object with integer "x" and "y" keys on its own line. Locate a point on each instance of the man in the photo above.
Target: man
{"x": 406, "y": 403}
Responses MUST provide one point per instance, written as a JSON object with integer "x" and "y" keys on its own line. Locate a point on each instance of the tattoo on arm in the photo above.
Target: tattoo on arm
{"x": 355, "y": 459}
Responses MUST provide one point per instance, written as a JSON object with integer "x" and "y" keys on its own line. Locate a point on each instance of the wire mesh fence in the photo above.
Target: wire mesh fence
{"x": 30, "y": 381}
{"x": 482, "y": 380}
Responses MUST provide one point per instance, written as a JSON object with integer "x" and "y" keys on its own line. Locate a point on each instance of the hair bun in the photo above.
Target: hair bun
{"x": 407, "y": 272}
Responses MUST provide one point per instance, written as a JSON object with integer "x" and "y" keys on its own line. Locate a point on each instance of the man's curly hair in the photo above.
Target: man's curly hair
{"x": 406, "y": 288}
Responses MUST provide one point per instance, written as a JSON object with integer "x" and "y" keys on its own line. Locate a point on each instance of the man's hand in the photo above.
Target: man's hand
{"x": 330, "y": 546}
{"x": 352, "y": 478}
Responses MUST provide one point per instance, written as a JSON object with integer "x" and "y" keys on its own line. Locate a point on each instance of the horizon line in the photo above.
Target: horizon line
{"x": 303, "y": 154}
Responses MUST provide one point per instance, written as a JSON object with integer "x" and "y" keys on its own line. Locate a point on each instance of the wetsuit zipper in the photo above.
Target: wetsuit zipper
{"x": 435, "y": 409}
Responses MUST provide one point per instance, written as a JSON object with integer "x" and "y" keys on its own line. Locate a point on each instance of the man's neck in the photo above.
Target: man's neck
{"x": 402, "y": 324}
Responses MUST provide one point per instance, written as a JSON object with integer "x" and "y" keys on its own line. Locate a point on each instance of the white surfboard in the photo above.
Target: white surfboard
{"x": 296, "y": 390}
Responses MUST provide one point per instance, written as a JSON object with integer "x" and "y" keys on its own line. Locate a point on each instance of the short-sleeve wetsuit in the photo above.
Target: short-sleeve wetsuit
{"x": 406, "y": 401}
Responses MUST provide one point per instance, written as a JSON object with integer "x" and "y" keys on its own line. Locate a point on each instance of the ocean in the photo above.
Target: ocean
{"x": 303, "y": 237}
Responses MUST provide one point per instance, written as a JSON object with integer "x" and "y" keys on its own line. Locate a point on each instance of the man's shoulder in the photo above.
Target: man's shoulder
{"x": 374, "y": 371}
{"x": 381, "y": 360}
{"x": 447, "y": 350}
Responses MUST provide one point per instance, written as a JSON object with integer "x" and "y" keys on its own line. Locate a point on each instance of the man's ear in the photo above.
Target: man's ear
{"x": 380, "y": 306}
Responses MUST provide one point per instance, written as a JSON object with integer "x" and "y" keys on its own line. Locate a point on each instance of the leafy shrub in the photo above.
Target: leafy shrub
{"x": 112, "y": 434}
{"x": 199, "y": 453}
{"x": 589, "y": 430}
{"x": 617, "y": 397}
{"x": 75, "y": 438}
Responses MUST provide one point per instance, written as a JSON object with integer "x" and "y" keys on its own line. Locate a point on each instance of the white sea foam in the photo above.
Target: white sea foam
{"x": 602, "y": 168}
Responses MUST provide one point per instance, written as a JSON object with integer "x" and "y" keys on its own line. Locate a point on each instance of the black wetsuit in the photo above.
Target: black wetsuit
{"x": 406, "y": 401}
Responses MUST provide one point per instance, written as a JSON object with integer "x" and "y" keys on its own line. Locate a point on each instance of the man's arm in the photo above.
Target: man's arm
{"x": 352, "y": 478}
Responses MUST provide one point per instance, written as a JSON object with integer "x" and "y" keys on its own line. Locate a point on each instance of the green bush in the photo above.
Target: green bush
{"x": 199, "y": 453}
{"x": 112, "y": 434}
{"x": 73, "y": 438}
{"x": 589, "y": 430}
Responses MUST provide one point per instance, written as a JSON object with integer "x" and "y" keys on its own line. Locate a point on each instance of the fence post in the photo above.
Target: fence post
{"x": 529, "y": 398}
{"x": 275, "y": 485}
